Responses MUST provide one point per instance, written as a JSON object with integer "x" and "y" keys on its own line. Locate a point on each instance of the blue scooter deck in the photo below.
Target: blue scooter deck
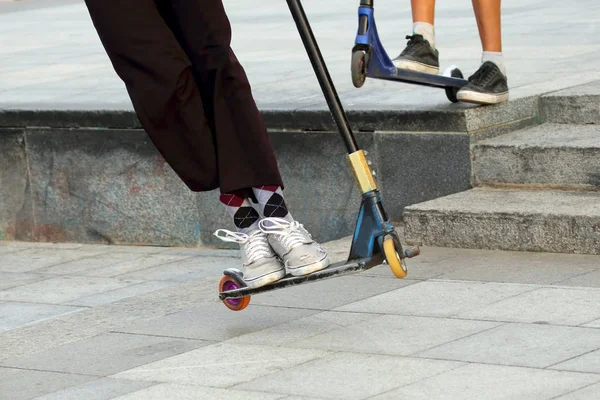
{"x": 420, "y": 78}
{"x": 337, "y": 269}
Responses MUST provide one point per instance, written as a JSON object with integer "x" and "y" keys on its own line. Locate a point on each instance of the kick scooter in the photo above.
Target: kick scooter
{"x": 370, "y": 60}
{"x": 375, "y": 240}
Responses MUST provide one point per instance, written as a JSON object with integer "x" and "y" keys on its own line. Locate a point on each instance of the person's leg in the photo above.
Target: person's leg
{"x": 489, "y": 84}
{"x": 487, "y": 13}
{"x": 423, "y": 13}
{"x": 420, "y": 53}
{"x": 160, "y": 82}
{"x": 244, "y": 153}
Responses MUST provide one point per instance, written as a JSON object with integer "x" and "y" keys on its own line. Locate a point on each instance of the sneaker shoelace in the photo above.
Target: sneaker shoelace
{"x": 256, "y": 244}
{"x": 414, "y": 43}
{"x": 290, "y": 234}
{"x": 483, "y": 75}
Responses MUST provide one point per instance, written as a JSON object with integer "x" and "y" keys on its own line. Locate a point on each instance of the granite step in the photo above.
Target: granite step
{"x": 504, "y": 219}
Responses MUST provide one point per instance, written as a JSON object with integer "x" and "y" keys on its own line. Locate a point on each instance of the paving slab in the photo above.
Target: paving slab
{"x": 12, "y": 279}
{"x": 589, "y": 362}
{"x": 206, "y": 366}
{"x": 111, "y": 264}
{"x": 213, "y": 321}
{"x": 302, "y": 398}
{"x": 5, "y": 249}
{"x": 197, "y": 251}
{"x": 188, "y": 392}
{"x": 105, "y": 354}
{"x": 588, "y": 393}
{"x": 553, "y": 305}
{"x": 183, "y": 270}
{"x": 349, "y": 376}
{"x": 29, "y": 260}
{"x": 395, "y": 335}
{"x": 473, "y": 381}
{"x": 525, "y": 345}
{"x": 23, "y": 245}
{"x": 99, "y": 389}
{"x": 20, "y": 384}
{"x": 331, "y": 293}
{"x": 141, "y": 250}
{"x": 593, "y": 324}
{"x": 290, "y": 333}
{"x": 497, "y": 266}
{"x": 14, "y": 314}
{"x": 126, "y": 292}
{"x": 591, "y": 279}
{"x": 431, "y": 263}
{"x": 520, "y": 267}
{"x": 437, "y": 298}
{"x": 105, "y": 318}
{"x": 62, "y": 289}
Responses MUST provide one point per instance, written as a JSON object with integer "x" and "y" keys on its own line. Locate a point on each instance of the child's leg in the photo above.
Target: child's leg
{"x": 487, "y": 13}
{"x": 420, "y": 54}
{"x": 489, "y": 84}
{"x": 423, "y": 13}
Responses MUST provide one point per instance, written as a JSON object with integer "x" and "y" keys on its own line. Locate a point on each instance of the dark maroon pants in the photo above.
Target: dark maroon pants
{"x": 188, "y": 89}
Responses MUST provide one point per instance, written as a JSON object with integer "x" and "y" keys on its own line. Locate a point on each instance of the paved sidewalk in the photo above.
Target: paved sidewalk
{"x": 53, "y": 59}
{"x": 102, "y": 323}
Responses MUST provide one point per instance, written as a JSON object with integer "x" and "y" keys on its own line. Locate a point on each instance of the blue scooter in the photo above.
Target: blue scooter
{"x": 370, "y": 60}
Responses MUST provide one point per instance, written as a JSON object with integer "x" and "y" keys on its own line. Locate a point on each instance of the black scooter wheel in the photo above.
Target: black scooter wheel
{"x": 359, "y": 67}
{"x": 451, "y": 92}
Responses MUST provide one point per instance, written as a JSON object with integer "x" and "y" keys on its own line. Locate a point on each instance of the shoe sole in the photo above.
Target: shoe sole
{"x": 265, "y": 279}
{"x": 468, "y": 96}
{"x": 309, "y": 269}
{"x": 416, "y": 67}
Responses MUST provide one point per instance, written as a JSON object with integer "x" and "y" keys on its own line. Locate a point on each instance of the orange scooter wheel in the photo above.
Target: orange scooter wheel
{"x": 393, "y": 259}
{"x": 229, "y": 283}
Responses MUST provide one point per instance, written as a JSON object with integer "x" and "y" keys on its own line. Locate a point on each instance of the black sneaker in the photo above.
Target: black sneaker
{"x": 418, "y": 56}
{"x": 487, "y": 85}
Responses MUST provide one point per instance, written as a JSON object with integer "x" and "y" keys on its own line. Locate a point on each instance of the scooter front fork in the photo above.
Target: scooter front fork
{"x": 373, "y": 224}
{"x": 378, "y": 61}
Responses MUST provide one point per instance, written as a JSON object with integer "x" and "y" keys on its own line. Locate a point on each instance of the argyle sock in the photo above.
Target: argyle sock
{"x": 271, "y": 202}
{"x": 245, "y": 217}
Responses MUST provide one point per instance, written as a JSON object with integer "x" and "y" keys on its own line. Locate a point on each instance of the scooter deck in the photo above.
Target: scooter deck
{"x": 334, "y": 270}
{"x": 421, "y": 78}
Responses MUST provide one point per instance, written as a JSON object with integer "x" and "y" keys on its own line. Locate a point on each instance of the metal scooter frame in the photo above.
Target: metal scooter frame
{"x": 379, "y": 65}
{"x": 373, "y": 225}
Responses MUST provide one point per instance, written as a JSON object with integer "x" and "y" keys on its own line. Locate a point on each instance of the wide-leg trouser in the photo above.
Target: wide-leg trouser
{"x": 188, "y": 89}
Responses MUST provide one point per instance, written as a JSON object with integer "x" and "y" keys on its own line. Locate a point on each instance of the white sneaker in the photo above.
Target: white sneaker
{"x": 301, "y": 255}
{"x": 259, "y": 263}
